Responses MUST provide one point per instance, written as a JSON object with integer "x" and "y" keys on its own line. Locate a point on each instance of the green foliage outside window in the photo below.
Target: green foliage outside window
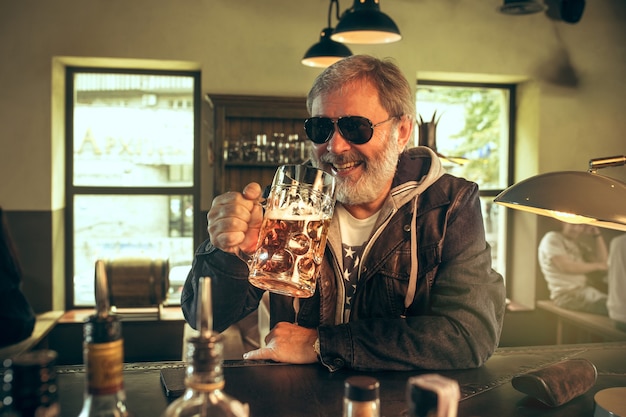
{"x": 477, "y": 118}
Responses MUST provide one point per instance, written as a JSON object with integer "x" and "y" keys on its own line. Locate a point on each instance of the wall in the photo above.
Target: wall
{"x": 575, "y": 73}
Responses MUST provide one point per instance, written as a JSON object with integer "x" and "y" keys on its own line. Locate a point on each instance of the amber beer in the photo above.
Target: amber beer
{"x": 289, "y": 256}
{"x": 294, "y": 231}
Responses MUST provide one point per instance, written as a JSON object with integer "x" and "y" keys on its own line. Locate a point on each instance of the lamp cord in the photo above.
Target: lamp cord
{"x": 330, "y": 10}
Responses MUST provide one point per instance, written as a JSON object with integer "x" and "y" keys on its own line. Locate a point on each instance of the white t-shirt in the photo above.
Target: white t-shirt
{"x": 552, "y": 244}
{"x": 617, "y": 279}
{"x": 354, "y": 234}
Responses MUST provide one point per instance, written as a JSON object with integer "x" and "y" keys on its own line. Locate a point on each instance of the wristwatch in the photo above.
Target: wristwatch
{"x": 316, "y": 348}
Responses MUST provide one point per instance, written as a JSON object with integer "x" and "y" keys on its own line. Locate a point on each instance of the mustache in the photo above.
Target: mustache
{"x": 343, "y": 158}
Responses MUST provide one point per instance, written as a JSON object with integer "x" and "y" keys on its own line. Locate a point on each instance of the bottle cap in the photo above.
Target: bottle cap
{"x": 361, "y": 388}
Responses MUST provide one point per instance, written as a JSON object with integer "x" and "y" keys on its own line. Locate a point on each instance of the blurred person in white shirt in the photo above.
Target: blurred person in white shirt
{"x": 565, "y": 261}
{"x": 616, "y": 303}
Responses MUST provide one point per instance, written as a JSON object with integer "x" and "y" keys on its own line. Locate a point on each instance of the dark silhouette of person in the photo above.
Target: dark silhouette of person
{"x": 17, "y": 318}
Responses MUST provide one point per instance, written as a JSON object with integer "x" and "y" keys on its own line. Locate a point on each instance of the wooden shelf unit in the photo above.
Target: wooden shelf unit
{"x": 243, "y": 117}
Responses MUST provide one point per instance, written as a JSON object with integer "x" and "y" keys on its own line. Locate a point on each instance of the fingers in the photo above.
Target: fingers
{"x": 259, "y": 354}
{"x": 287, "y": 342}
{"x": 234, "y": 219}
{"x": 228, "y": 219}
{"x": 252, "y": 191}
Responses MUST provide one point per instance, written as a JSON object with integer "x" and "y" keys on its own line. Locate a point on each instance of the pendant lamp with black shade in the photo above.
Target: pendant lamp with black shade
{"x": 326, "y": 52}
{"x": 364, "y": 23}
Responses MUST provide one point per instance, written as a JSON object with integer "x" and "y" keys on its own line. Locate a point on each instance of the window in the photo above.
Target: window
{"x": 132, "y": 173}
{"x": 471, "y": 127}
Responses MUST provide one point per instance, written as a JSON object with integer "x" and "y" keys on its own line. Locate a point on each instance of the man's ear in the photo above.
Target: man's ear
{"x": 405, "y": 131}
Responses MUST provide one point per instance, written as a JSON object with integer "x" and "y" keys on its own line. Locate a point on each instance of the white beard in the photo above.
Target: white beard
{"x": 377, "y": 174}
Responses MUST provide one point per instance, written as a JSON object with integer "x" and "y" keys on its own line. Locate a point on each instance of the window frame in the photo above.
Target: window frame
{"x": 493, "y": 192}
{"x": 71, "y": 190}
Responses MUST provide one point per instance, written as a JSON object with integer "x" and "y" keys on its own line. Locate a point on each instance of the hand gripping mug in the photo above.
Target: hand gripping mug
{"x": 293, "y": 235}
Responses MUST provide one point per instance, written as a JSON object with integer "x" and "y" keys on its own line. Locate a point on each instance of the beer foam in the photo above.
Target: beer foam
{"x": 287, "y": 214}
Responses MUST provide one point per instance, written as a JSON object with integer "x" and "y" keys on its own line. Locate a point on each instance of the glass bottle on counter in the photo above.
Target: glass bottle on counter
{"x": 29, "y": 385}
{"x": 204, "y": 379}
{"x": 103, "y": 353}
{"x": 361, "y": 397}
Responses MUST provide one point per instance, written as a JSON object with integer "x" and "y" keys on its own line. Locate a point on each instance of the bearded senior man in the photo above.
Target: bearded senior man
{"x": 406, "y": 282}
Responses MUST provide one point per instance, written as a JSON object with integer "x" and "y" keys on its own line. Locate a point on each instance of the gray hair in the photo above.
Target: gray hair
{"x": 394, "y": 91}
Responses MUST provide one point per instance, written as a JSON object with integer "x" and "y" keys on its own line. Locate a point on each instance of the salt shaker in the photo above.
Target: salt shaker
{"x": 432, "y": 395}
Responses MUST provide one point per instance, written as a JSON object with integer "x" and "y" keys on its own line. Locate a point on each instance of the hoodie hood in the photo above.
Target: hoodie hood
{"x": 418, "y": 168}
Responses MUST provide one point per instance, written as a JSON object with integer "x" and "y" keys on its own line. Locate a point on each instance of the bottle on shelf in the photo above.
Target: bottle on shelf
{"x": 280, "y": 149}
{"x": 361, "y": 397}
{"x": 29, "y": 385}
{"x": 204, "y": 379}
{"x": 103, "y": 353}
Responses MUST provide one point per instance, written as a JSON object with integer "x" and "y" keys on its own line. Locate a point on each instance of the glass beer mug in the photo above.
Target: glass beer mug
{"x": 293, "y": 235}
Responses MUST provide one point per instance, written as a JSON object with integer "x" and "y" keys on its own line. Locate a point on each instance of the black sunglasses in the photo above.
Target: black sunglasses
{"x": 356, "y": 129}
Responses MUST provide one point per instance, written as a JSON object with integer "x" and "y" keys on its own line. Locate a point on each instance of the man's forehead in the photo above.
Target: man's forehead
{"x": 360, "y": 96}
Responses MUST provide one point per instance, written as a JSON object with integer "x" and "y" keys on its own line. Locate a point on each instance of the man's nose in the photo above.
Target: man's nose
{"x": 337, "y": 143}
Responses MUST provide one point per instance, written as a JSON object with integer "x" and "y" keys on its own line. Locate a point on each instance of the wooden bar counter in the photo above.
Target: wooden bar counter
{"x": 279, "y": 390}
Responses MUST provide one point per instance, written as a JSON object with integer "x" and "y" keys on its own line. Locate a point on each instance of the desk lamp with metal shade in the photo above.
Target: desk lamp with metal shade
{"x": 573, "y": 196}
{"x": 583, "y": 198}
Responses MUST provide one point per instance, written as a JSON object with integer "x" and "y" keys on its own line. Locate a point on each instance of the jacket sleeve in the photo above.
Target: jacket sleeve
{"x": 233, "y": 297}
{"x": 455, "y": 322}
